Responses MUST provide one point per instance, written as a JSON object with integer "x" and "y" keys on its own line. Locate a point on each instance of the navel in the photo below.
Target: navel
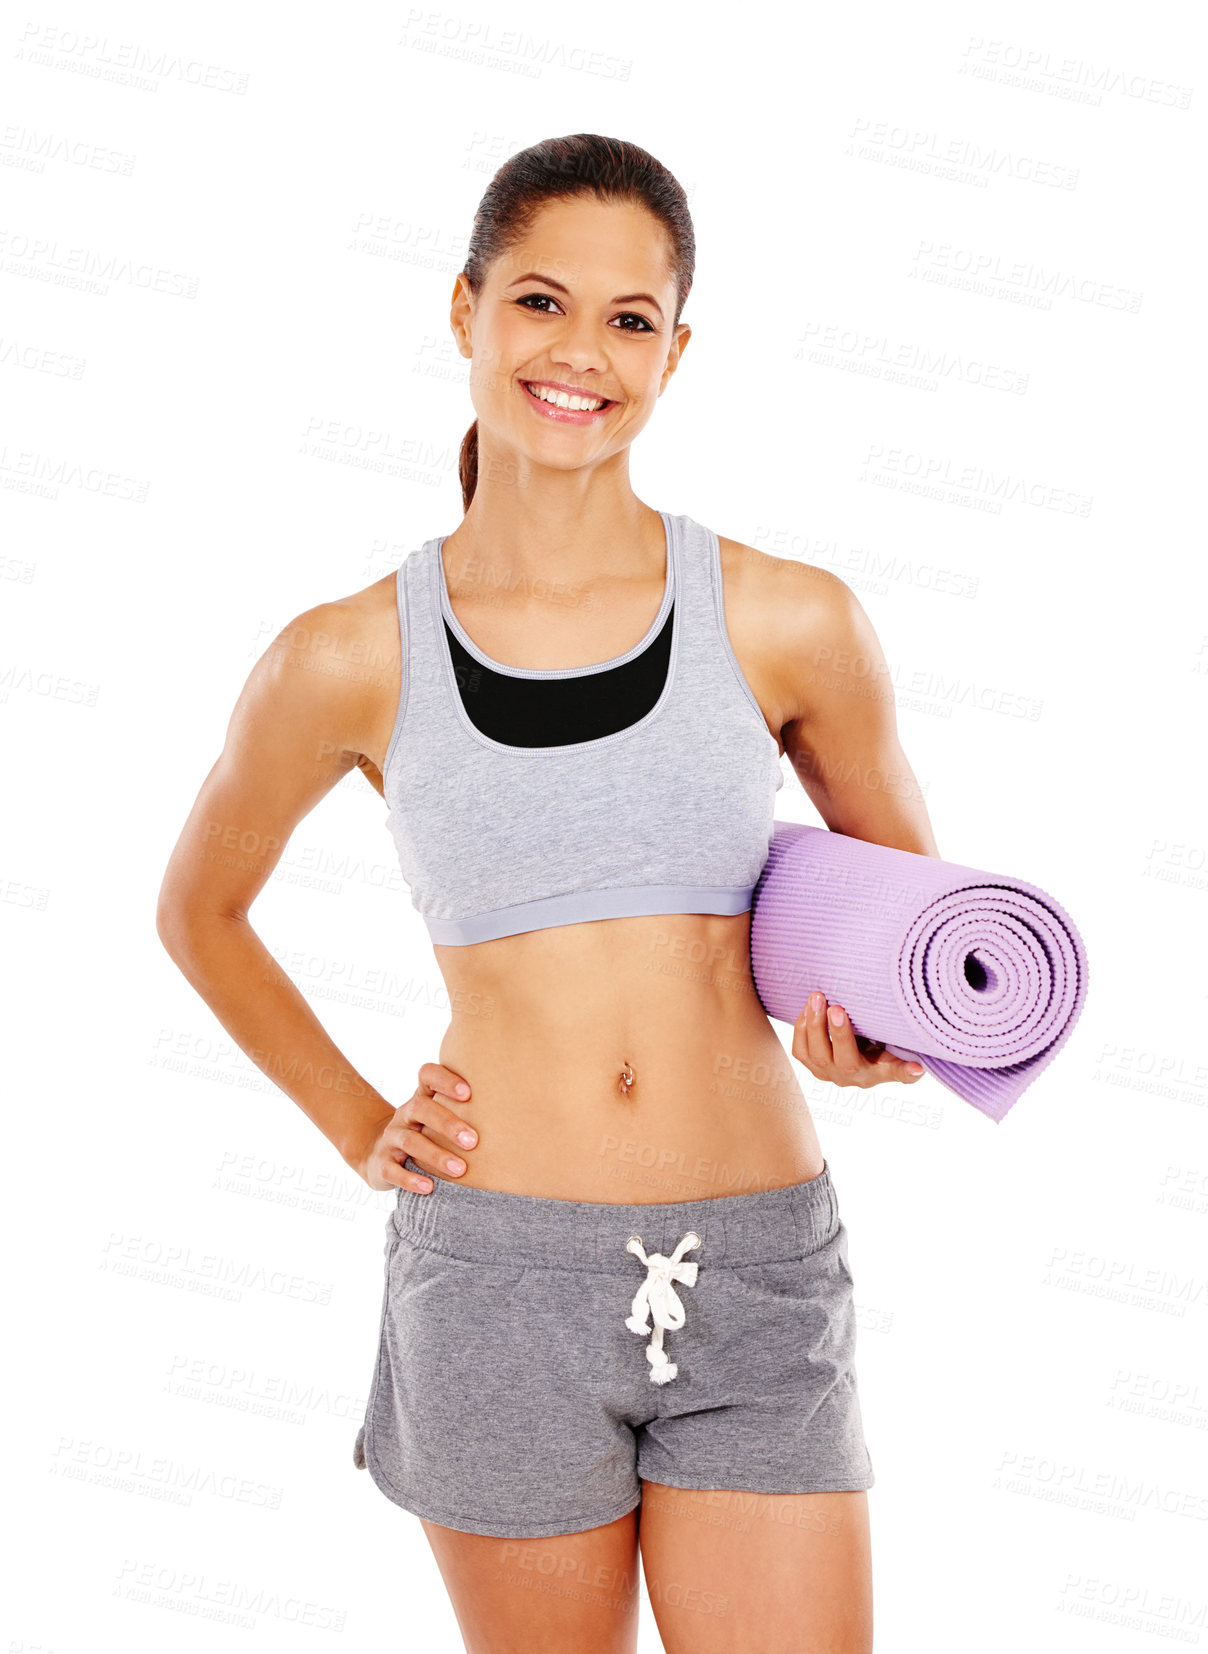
{"x": 626, "y": 1080}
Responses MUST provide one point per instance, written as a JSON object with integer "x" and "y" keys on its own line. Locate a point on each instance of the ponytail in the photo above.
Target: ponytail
{"x": 467, "y": 465}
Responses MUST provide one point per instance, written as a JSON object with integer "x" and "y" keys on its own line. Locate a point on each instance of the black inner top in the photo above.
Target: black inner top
{"x": 556, "y": 712}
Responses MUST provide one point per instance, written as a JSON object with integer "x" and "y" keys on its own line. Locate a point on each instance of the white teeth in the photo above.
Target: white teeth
{"x": 560, "y": 399}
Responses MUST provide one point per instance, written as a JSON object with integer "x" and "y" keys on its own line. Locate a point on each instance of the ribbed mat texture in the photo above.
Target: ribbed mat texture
{"x": 978, "y": 976}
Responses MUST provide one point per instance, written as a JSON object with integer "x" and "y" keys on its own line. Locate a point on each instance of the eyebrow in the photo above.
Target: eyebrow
{"x": 624, "y": 298}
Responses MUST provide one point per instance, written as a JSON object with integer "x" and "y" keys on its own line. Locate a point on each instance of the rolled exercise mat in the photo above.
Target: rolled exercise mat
{"x": 978, "y": 976}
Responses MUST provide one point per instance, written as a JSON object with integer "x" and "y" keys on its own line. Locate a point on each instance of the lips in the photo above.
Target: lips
{"x": 572, "y": 416}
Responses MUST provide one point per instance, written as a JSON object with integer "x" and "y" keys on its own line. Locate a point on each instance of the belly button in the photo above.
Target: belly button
{"x": 627, "y": 1079}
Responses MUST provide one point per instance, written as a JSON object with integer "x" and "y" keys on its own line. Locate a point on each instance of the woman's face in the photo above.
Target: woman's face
{"x": 582, "y": 305}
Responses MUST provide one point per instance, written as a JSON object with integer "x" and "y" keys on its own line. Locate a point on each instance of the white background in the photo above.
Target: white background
{"x": 229, "y": 393}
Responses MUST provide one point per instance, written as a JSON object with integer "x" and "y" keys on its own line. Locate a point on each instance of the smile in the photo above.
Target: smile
{"x": 571, "y": 407}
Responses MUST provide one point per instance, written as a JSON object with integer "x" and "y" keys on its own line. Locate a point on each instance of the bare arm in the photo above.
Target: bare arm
{"x": 297, "y": 729}
{"x": 820, "y": 665}
{"x": 841, "y": 733}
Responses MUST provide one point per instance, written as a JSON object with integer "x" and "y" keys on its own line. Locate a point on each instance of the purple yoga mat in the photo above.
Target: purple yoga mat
{"x": 978, "y": 976}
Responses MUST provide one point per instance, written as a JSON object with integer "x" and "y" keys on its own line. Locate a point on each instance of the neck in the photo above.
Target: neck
{"x": 532, "y": 522}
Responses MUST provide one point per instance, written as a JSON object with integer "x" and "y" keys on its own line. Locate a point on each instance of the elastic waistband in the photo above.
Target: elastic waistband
{"x": 487, "y": 1225}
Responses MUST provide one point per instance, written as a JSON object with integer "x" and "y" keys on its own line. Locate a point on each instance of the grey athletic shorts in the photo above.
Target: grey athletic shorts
{"x": 535, "y": 1362}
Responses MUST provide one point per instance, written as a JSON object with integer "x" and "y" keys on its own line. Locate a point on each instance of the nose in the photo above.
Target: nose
{"x": 579, "y": 348}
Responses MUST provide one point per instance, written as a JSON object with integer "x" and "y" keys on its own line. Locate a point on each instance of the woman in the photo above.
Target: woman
{"x": 578, "y": 722}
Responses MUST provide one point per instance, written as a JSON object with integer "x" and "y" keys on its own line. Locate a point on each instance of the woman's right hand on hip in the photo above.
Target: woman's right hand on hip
{"x": 426, "y": 1128}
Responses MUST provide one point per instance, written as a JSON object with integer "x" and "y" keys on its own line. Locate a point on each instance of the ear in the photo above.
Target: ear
{"x": 461, "y": 315}
{"x": 678, "y": 345}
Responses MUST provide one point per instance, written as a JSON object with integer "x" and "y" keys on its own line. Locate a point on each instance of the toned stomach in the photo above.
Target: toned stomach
{"x": 623, "y": 1060}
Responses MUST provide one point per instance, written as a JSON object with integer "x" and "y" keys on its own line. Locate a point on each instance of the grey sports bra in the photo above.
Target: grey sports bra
{"x": 671, "y": 813}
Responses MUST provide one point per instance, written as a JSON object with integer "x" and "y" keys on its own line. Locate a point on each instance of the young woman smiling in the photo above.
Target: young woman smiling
{"x": 579, "y": 735}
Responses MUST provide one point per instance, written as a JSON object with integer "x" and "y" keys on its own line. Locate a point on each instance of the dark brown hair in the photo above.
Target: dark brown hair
{"x": 552, "y": 170}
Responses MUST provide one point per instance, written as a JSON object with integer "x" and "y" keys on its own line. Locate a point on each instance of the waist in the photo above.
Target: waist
{"x": 568, "y": 1005}
{"x": 626, "y": 1060}
{"x": 490, "y": 1226}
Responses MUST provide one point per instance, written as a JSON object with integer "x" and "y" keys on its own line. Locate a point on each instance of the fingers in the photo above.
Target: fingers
{"x": 437, "y": 1116}
{"x": 826, "y": 1043}
{"x": 811, "y": 1041}
{"x": 897, "y": 1068}
{"x": 397, "y": 1176}
{"x": 400, "y": 1140}
{"x": 435, "y": 1076}
{"x": 432, "y": 1156}
{"x": 848, "y": 1061}
{"x": 424, "y": 1129}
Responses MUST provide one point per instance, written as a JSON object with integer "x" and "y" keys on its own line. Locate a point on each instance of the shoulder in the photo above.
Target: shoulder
{"x": 334, "y": 664}
{"x": 786, "y": 616}
{"x": 342, "y": 631}
{"x": 781, "y": 589}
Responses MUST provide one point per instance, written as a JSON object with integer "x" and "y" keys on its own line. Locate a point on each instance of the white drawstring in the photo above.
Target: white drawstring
{"x": 657, "y": 1297}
